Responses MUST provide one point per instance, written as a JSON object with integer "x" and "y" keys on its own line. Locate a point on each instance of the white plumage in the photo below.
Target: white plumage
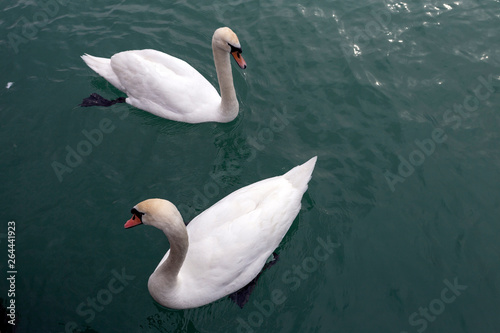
{"x": 169, "y": 87}
{"x": 226, "y": 246}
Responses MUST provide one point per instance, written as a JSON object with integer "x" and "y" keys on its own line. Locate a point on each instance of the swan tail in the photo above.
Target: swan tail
{"x": 102, "y": 66}
{"x": 301, "y": 174}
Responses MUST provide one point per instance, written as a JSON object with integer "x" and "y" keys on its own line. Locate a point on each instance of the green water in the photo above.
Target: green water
{"x": 398, "y": 232}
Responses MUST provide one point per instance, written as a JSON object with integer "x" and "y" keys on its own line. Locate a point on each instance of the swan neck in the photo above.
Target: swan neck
{"x": 179, "y": 243}
{"x": 229, "y": 102}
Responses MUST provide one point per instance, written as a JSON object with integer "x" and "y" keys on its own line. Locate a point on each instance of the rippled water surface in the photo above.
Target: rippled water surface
{"x": 399, "y": 230}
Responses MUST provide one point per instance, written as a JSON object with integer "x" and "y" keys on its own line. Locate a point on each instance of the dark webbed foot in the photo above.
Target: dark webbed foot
{"x": 242, "y": 296}
{"x": 272, "y": 261}
{"x": 98, "y": 100}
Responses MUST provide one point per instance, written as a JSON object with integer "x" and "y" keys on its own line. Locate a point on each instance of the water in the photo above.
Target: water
{"x": 399, "y": 101}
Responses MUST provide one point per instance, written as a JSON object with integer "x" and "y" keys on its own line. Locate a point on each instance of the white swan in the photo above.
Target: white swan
{"x": 225, "y": 247}
{"x": 169, "y": 87}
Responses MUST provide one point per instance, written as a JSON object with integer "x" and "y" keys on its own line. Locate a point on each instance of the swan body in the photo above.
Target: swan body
{"x": 169, "y": 87}
{"x": 226, "y": 246}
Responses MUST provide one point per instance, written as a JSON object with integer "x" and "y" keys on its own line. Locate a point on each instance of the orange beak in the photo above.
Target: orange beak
{"x": 239, "y": 59}
{"x": 134, "y": 221}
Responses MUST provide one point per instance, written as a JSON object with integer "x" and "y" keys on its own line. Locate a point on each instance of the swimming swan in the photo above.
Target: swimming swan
{"x": 226, "y": 246}
{"x": 169, "y": 87}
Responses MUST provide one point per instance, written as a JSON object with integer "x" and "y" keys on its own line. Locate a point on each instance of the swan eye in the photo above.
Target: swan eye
{"x": 137, "y": 213}
{"x": 235, "y": 49}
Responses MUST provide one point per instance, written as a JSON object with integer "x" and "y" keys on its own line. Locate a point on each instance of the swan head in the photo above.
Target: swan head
{"x": 226, "y": 40}
{"x": 158, "y": 213}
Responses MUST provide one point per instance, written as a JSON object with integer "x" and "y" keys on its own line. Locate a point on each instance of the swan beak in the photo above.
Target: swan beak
{"x": 239, "y": 59}
{"x": 134, "y": 221}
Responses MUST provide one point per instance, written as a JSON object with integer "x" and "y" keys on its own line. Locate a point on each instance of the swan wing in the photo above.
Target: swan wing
{"x": 163, "y": 85}
{"x": 231, "y": 241}
{"x": 281, "y": 192}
